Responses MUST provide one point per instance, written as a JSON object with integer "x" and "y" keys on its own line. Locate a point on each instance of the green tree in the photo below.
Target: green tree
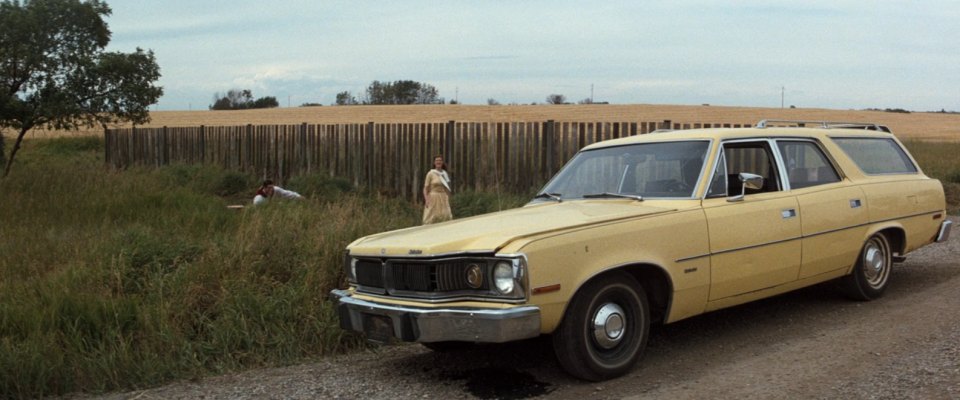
{"x": 402, "y": 92}
{"x": 55, "y": 72}
{"x": 236, "y": 99}
{"x": 345, "y": 98}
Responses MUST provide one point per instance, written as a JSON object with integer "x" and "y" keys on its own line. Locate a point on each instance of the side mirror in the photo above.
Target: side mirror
{"x": 750, "y": 181}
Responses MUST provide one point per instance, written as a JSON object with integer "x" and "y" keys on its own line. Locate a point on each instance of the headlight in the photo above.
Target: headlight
{"x": 503, "y": 277}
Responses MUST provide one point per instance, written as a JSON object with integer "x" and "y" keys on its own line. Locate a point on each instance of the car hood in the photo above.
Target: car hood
{"x": 489, "y": 232}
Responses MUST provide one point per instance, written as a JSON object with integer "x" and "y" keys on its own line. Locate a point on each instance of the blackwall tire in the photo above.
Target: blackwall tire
{"x": 605, "y": 328}
{"x": 871, "y": 273}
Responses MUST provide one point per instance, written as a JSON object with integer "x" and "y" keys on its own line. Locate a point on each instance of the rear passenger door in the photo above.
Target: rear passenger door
{"x": 834, "y": 211}
{"x": 755, "y": 242}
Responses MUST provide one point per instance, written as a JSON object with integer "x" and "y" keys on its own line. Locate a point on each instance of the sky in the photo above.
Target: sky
{"x": 812, "y": 54}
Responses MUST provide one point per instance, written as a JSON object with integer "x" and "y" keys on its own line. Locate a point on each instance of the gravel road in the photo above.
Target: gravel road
{"x": 812, "y": 343}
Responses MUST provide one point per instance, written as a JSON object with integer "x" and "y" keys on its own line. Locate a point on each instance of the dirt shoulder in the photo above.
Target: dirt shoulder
{"x": 812, "y": 343}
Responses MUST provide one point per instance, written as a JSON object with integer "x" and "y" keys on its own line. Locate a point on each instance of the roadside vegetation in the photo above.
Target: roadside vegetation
{"x": 939, "y": 160}
{"x": 128, "y": 279}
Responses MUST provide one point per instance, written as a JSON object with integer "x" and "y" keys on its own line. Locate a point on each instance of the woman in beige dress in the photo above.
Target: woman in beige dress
{"x": 436, "y": 193}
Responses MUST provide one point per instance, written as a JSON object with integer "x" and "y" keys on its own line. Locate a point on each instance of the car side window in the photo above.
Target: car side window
{"x": 750, "y": 157}
{"x": 718, "y": 182}
{"x": 877, "y": 155}
{"x": 806, "y": 164}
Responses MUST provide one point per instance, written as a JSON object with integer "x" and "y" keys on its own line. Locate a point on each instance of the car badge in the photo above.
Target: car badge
{"x": 383, "y": 251}
{"x": 415, "y": 252}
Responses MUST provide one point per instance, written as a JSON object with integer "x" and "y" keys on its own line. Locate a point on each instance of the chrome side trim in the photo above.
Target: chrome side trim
{"x": 944, "y": 233}
{"x": 948, "y": 223}
{"x": 416, "y": 324}
{"x": 680, "y": 260}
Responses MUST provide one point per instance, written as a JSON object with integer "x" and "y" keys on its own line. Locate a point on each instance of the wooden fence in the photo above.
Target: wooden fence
{"x": 391, "y": 158}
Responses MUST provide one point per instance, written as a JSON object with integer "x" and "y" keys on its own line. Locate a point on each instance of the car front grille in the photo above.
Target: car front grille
{"x": 418, "y": 276}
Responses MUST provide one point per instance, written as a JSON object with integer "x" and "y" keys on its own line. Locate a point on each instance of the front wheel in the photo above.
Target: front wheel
{"x": 871, "y": 273}
{"x": 605, "y": 328}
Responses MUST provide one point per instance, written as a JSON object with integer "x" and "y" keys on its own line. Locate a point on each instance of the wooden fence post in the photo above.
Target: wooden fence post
{"x": 550, "y": 142}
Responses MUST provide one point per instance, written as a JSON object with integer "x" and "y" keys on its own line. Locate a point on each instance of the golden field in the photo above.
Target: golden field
{"x": 917, "y": 125}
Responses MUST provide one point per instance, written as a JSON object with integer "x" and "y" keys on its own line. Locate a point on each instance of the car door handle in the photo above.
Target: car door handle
{"x": 788, "y": 213}
{"x": 855, "y": 203}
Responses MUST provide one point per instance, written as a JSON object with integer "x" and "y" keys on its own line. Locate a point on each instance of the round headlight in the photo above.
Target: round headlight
{"x": 474, "y": 276}
{"x": 503, "y": 277}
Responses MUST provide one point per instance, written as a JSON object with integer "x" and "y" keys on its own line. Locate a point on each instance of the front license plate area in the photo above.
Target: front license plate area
{"x": 378, "y": 328}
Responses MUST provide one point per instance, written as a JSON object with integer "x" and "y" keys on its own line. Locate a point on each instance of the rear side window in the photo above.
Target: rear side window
{"x": 806, "y": 164}
{"x": 877, "y": 155}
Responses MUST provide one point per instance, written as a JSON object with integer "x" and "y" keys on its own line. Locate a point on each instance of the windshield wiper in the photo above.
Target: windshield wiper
{"x": 619, "y": 195}
{"x": 551, "y": 196}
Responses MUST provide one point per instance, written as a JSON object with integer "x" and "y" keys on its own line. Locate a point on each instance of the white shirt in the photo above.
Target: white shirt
{"x": 277, "y": 190}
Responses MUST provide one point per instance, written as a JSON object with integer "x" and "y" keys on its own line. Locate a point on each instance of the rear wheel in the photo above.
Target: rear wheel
{"x": 871, "y": 273}
{"x": 605, "y": 328}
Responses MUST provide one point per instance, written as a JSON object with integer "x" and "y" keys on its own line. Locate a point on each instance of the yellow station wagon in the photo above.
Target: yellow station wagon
{"x": 647, "y": 229}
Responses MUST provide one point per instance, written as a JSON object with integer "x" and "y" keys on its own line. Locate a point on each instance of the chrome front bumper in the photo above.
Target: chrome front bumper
{"x": 386, "y": 322}
{"x": 944, "y": 233}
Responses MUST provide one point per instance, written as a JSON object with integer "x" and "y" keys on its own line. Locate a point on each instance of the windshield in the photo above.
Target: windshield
{"x": 649, "y": 170}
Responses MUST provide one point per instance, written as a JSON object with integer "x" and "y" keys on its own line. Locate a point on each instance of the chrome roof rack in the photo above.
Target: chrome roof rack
{"x": 823, "y": 124}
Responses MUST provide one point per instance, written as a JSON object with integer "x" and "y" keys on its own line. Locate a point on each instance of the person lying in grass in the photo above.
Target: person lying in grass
{"x": 268, "y": 189}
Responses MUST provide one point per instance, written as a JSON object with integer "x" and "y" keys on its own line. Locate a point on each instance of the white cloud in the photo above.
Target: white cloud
{"x": 843, "y": 53}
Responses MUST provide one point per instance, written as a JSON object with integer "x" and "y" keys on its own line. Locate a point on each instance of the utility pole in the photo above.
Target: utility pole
{"x": 591, "y": 93}
{"x": 782, "y": 88}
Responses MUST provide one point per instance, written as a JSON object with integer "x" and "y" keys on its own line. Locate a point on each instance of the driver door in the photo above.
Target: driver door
{"x": 755, "y": 242}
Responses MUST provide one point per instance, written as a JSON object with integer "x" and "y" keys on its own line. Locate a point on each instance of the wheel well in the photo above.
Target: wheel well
{"x": 897, "y": 239}
{"x": 657, "y": 285}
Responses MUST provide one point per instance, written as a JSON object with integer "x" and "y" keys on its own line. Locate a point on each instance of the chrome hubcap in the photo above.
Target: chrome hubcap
{"x": 874, "y": 263}
{"x": 608, "y": 325}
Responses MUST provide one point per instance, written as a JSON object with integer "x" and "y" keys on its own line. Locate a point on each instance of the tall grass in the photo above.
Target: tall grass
{"x": 127, "y": 279}
{"x": 940, "y": 160}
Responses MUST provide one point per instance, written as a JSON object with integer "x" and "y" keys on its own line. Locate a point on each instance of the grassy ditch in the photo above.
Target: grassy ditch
{"x": 128, "y": 279}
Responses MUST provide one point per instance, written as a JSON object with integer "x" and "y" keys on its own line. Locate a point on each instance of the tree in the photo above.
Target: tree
{"x": 346, "y": 99}
{"x": 55, "y": 72}
{"x": 402, "y": 92}
{"x": 556, "y": 99}
{"x": 492, "y": 102}
{"x": 237, "y": 99}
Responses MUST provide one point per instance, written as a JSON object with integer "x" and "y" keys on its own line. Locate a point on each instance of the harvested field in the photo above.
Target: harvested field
{"x": 919, "y": 126}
